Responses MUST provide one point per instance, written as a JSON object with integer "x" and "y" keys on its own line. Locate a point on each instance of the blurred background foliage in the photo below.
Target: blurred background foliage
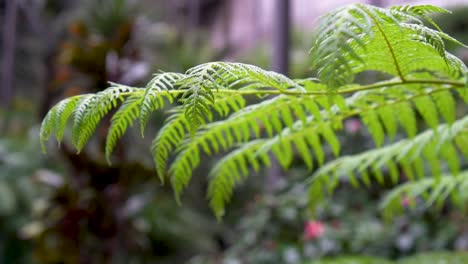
{"x": 69, "y": 208}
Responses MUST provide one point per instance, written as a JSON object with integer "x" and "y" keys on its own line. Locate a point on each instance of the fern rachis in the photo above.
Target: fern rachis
{"x": 299, "y": 116}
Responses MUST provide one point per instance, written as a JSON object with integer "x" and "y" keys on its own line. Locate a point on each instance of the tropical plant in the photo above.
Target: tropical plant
{"x": 300, "y": 117}
{"x": 431, "y": 257}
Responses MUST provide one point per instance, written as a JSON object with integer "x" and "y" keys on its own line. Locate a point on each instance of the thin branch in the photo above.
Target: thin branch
{"x": 318, "y": 93}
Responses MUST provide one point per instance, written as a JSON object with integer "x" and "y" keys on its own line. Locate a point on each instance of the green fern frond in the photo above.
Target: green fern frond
{"x": 221, "y": 135}
{"x": 229, "y": 75}
{"x": 57, "y": 118}
{"x": 177, "y": 129}
{"x": 431, "y": 145}
{"x": 430, "y": 191}
{"x": 419, "y": 11}
{"x": 360, "y": 37}
{"x": 121, "y": 120}
{"x": 153, "y": 99}
{"x": 202, "y": 80}
{"x": 169, "y": 138}
{"x": 332, "y": 45}
{"x": 379, "y": 110}
{"x": 91, "y": 109}
{"x": 197, "y": 102}
{"x": 64, "y": 111}
{"x": 248, "y": 123}
{"x": 306, "y": 134}
{"x": 232, "y": 170}
{"x": 299, "y": 117}
{"x": 47, "y": 127}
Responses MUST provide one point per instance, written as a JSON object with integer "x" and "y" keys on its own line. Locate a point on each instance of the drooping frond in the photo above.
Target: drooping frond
{"x": 285, "y": 118}
{"x": 198, "y": 82}
{"x": 121, "y": 120}
{"x": 428, "y": 192}
{"x": 232, "y": 170}
{"x": 152, "y": 99}
{"x": 380, "y": 112}
{"x": 169, "y": 137}
{"x": 57, "y": 118}
{"x": 91, "y": 109}
{"x": 64, "y": 111}
{"x": 177, "y": 129}
{"x": 263, "y": 119}
{"x": 221, "y": 135}
{"x": 410, "y": 154}
{"x": 379, "y": 109}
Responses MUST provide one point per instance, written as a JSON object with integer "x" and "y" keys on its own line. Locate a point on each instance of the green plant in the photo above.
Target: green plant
{"x": 299, "y": 116}
{"x": 430, "y": 257}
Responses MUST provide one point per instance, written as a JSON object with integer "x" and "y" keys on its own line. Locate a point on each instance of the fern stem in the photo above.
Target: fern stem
{"x": 358, "y": 111}
{"x": 390, "y": 47}
{"x": 319, "y": 93}
{"x": 400, "y": 82}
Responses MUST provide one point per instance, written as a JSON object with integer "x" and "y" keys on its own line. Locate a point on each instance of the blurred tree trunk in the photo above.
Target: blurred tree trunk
{"x": 280, "y": 63}
{"x": 8, "y": 47}
{"x": 9, "y": 39}
{"x": 376, "y": 2}
{"x": 193, "y": 21}
{"x": 173, "y": 16}
{"x": 256, "y": 21}
{"x": 194, "y": 13}
{"x": 226, "y": 20}
{"x": 281, "y": 27}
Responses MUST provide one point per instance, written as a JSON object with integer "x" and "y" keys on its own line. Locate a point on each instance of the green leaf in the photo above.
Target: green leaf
{"x": 371, "y": 120}
{"x": 122, "y": 119}
{"x": 428, "y": 110}
{"x": 446, "y": 105}
{"x": 407, "y": 119}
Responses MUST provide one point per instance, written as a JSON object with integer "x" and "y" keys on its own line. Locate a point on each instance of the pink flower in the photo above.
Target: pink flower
{"x": 352, "y": 126}
{"x": 406, "y": 201}
{"x": 313, "y": 230}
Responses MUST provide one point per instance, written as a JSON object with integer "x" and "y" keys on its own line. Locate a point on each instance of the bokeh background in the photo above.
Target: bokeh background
{"x": 67, "y": 208}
